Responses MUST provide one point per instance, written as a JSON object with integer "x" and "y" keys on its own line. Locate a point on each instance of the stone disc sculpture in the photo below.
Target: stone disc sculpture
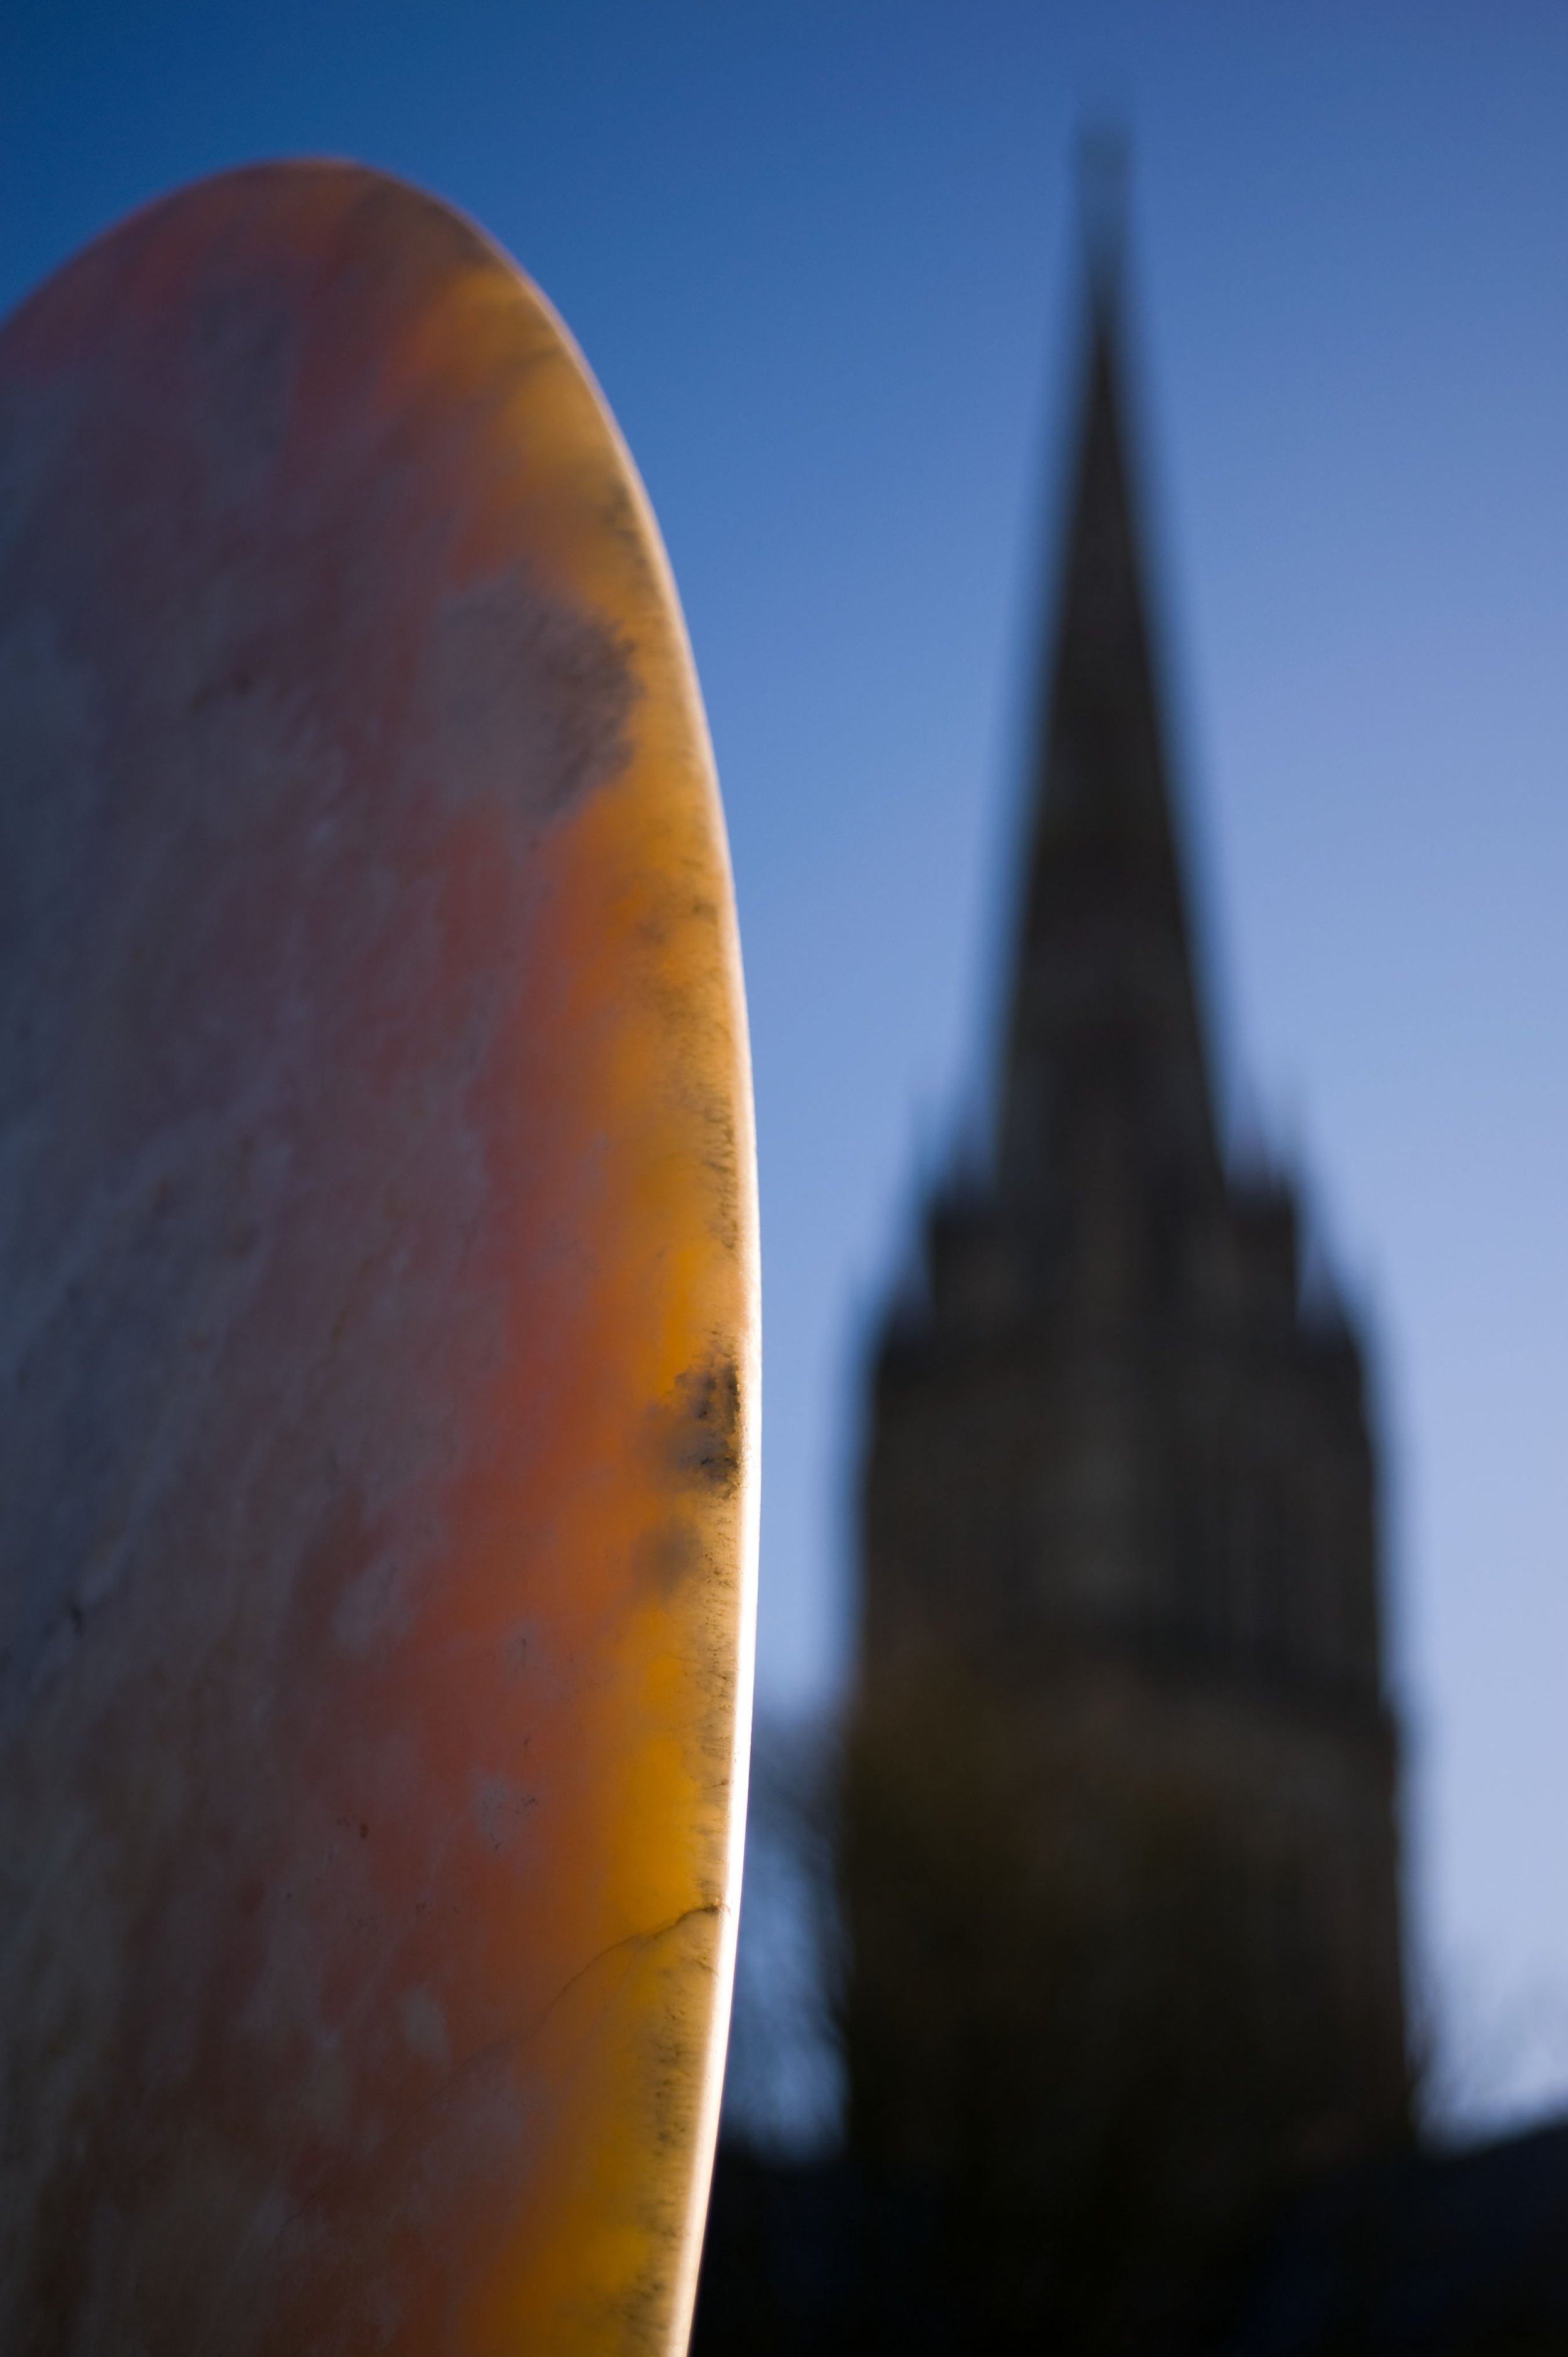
{"x": 378, "y": 1312}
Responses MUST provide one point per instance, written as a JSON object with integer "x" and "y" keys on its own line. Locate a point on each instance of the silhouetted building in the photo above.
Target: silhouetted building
{"x": 1120, "y": 1863}
{"x": 1459, "y": 2254}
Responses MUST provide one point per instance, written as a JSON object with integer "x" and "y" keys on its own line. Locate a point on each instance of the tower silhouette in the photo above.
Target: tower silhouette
{"x": 1119, "y": 1863}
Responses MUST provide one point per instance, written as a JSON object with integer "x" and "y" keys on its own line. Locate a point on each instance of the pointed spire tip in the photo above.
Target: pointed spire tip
{"x": 1104, "y": 167}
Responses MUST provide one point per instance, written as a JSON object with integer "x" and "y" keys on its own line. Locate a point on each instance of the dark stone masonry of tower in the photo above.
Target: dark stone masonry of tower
{"x": 1122, "y": 2017}
{"x": 1121, "y": 1875}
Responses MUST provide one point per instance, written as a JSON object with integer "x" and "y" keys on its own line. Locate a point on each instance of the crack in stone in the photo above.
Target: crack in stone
{"x": 481, "y": 2055}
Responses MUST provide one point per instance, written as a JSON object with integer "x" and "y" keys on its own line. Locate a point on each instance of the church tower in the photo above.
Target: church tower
{"x": 1121, "y": 1879}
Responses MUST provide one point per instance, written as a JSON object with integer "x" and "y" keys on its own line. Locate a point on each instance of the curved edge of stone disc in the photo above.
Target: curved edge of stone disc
{"x": 379, "y": 1251}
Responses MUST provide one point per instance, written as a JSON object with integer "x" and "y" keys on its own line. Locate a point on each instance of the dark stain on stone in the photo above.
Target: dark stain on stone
{"x": 668, "y": 1556}
{"x": 703, "y": 1425}
{"x": 530, "y": 698}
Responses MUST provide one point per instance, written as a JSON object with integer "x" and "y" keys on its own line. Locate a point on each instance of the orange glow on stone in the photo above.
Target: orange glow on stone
{"x": 378, "y": 1275}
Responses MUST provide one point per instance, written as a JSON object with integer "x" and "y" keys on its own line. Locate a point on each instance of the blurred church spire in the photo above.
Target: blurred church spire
{"x": 1105, "y": 1030}
{"x": 1120, "y": 1856}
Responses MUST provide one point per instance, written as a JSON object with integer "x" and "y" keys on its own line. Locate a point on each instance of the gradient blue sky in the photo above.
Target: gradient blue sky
{"x": 822, "y": 258}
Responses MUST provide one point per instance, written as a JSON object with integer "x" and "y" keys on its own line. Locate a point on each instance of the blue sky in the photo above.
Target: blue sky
{"x": 822, "y": 258}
